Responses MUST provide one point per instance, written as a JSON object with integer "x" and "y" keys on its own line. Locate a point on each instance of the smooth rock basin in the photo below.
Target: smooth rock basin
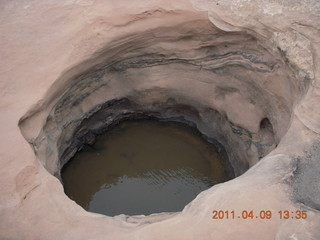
{"x": 245, "y": 74}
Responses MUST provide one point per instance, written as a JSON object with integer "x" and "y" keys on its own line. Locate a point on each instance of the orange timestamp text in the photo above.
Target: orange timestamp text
{"x": 262, "y": 214}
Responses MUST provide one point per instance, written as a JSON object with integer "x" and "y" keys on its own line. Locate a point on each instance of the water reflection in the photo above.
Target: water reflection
{"x": 142, "y": 167}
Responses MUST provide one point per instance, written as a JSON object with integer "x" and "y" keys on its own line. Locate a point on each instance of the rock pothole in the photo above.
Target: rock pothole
{"x": 227, "y": 85}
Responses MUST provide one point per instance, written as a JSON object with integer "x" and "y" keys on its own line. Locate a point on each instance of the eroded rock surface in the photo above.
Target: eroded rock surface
{"x": 245, "y": 73}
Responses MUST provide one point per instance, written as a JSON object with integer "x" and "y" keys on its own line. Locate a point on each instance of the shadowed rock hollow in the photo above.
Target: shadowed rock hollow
{"x": 226, "y": 84}
{"x": 246, "y": 77}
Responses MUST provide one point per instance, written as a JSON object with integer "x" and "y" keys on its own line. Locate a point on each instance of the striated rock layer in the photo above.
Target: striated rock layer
{"x": 245, "y": 73}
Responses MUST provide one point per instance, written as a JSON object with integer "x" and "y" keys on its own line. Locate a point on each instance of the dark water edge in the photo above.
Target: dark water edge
{"x": 143, "y": 167}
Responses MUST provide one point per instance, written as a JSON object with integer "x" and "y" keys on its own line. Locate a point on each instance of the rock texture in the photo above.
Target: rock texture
{"x": 245, "y": 73}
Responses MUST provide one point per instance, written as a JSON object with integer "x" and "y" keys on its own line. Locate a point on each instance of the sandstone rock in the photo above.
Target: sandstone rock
{"x": 243, "y": 72}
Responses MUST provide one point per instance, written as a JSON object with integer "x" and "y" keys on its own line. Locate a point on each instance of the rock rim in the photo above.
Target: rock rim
{"x": 46, "y": 44}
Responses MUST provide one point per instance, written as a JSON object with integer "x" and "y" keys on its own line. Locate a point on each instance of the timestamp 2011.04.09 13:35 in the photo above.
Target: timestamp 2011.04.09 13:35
{"x": 262, "y": 214}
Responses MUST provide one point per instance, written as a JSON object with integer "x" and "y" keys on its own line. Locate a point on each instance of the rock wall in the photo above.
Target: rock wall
{"x": 243, "y": 72}
{"x": 222, "y": 83}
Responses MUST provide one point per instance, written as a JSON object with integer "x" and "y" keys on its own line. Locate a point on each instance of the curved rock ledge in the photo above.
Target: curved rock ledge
{"x": 218, "y": 82}
{"x": 248, "y": 82}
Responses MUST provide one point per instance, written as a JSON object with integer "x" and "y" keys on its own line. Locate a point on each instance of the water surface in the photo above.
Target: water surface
{"x": 142, "y": 167}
